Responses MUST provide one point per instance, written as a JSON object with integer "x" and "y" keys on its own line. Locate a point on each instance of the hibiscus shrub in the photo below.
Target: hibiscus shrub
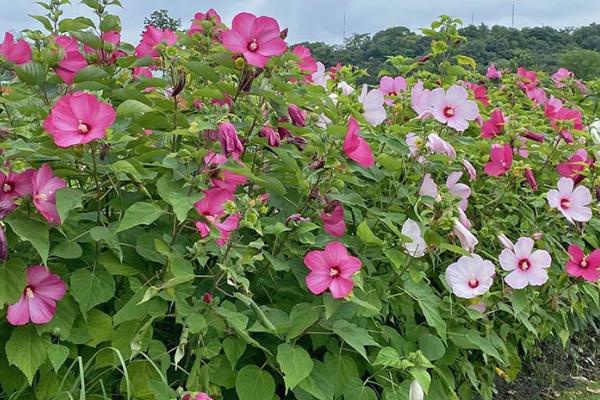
{"x": 211, "y": 215}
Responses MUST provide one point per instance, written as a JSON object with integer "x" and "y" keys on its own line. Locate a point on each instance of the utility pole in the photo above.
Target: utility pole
{"x": 513, "y": 15}
{"x": 472, "y": 18}
{"x": 344, "y": 29}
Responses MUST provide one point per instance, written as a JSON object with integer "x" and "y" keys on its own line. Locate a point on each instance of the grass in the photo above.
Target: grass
{"x": 584, "y": 391}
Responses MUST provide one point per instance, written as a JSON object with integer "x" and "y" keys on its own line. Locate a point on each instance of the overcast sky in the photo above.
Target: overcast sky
{"x": 322, "y": 20}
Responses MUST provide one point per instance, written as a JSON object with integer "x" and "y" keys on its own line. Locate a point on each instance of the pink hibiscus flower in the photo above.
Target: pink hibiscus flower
{"x": 458, "y": 190}
{"x": 297, "y": 115}
{"x": 501, "y": 158}
{"x": 79, "y": 119}
{"x": 560, "y": 76}
{"x": 572, "y": 203}
{"x": 452, "y": 107}
{"x": 199, "y": 18}
{"x": 272, "y": 137}
{"x": 333, "y": 219}
{"x": 355, "y": 146}
{"x": 142, "y": 72}
{"x": 530, "y": 178}
{"x": 437, "y": 145}
{"x": 429, "y": 187}
{"x": 577, "y": 163}
{"x": 470, "y": 170}
{"x": 528, "y": 267}
{"x": 417, "y": 247}
{"x": 107, "y": 56}
{"x": 15, "y": 185}
{"x": 152, "y": 38}
{"x": 420, "y": 100}
{"x": 17, "y": 52}
{"x": 230, "y": 141}
{"x": 480, "y": 93}
{"x": 72, "y": 62}
{"x": 470, "y": 276}
{"x": 468, "y": 241}
{"x": 392, "y": 87}
{"x": 305, "y": 60}
{"x": 493, "y": 126}
{"x": 212, "y": 208}
{"x": 492, "y": 73}
{"x": 372, "y": 103}
{"x": 580, "y": 265}
{"x": 331, "y": 268}
{"x": 222, "y": 178}
{"x": 38, "y": 302}
{"x": 256, "y": 38}
{"x": 44, "y": 187}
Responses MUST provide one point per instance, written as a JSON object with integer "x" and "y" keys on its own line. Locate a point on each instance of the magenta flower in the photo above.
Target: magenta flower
{"x": 372, "y": 103}
{"x": 437, "y": 145}
{"x": 468, "y": 241}
{"x": 212, "y": 208}
{"x": 493, "y": 126}
{"x": 417, "y": 246}
{"x": 528, "y": 267}
{"x": 38, "y": 302}
{"x": 15, "y": 185}
{"x": 7, "y": 206}
{"x": 501, "y": 159}
{"x": 306, "y": 62}
{"x": 470, "y": 276}
{"x": 272, "y": 137}
{"x": 142, "y": 72}
{"x": 17, "y": 52}
{"x": 331, "y": 268}
{"x": 333, "y": 219}
{"x": 107, "y": 56}
{"x": 296, "y": 115}
{"x": 44, "y": 187}
{"x": 152, "y": 38}
{"x": 530, "y": 177}
{"x": 452, "y": 107}
{"x": 560, "y": 76}
{"x": 480, "y": 93}
{"x": 210, "y": 15}
{"x": 577, "y": 163}
{"x": 72, "y": 62}
{"x": 3, "y": 244}
{"x": 572, "y": 203}
{"x": 492, "y": 73}
{"x": 230, "y": 142}
{"x": 526, "y": 79}
{"x": 355, "y": 146}
{"x": 222, "y": 178}
{"x": 256, "y": 38}
{"x": 79, "y": 119}
{"x": 392, "y": 87}
{"x": 580, "y": 265}
{"x": 535, "y": 136}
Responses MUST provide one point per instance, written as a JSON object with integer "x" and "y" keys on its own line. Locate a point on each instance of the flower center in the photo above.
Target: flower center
{"x": 29, "y": 292}
{"x": 524, "y": 264}
{"x": 83, "y": 128}
{"x": 565, "y": 203}
{"x": 41, "y": 197}
{"x": 473, "y": 283}
{"x": 334, "y": 271}
{"x": 253, "y": 46}
{"x": 7, "y": 188}
{"x": 583, "y": 263}
{"x": 449, "y": 111}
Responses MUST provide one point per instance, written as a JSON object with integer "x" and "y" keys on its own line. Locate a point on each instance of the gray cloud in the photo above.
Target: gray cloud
{"x": 322, "y": 20}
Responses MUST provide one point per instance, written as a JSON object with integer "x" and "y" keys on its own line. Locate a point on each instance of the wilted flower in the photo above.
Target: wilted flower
{"x": 297, "y": 115}
{"x": 44, "y": 187}
{"x": 333, "y": 219}
{"x": 468, "y": 241}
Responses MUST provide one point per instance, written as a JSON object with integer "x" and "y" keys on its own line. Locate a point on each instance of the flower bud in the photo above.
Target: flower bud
{"x": 416, "y": 391}
{"x": 535, "y": 136}
{"x": 531, "y": 179}
{"x": 3, "y": 245}
{"x": 207, "y": 298}
{"x": 538, "y": 235}
{"x": 505, "y": 241}
{"x": 240, "y": 63}
{"x": 297, "y": 115}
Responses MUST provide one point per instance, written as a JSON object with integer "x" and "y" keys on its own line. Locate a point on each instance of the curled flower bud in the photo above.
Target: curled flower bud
{"x": 597, "y": 190}
{"x": 538, "y": 236}
{"x": 3, "y": 245}
{"x": 505, "y": 241}
{"x": 531, "y": 179}
{"x": 295, "y": 218}
{"x": 535, "y": 136}
{"x": 416, "y": 391}
{"x": 297, "y": 115}
{"x": 271, "y": 136}
{"x": 207, "y": 298}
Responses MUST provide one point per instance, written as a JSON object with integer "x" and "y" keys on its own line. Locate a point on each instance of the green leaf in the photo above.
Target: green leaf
{"x": 44, "y": 21}
{"x": 366, "y": 235}
{"x": 295, "y": 364}
{"x": 31, "y": 231}
{"x": 68, "y": 250}
{"x": 429, "y": 304}
{"x": 133, "y": 107}
{"x": 342, "y": 368}
{"x": 12, "y": 282}
{"x": 26, "y": 350}
{"x": 87, "y": 38}
{"x": 139, "y": 214}
{"x": 252, "y": 383}
{"x": 31, "y": 73}
{"x": 173, "y": 193}
{"x": 233, "y": 349}
{"x": 110, "y": 23}
{"x": 432, "y": 347}
{"x": 75, "y": 24}
{"x": 356, "y": 390}
{"x": 302, "y": 317}
{"x": 355, "y": 336}
{"x": 91, "y": 288}
{"x": 115, "y": 267}
{"x": 67, "y": 199}
{"x": 90, "y": 73}
{"x": 203, "y": 70}
{"x": 57, "y": 354}
{"x": 99, "y": 326}
{"x": 319, "y": 382}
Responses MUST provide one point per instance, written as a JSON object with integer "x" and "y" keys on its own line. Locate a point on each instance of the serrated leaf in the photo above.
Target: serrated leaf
{"x": 26, "y": 350}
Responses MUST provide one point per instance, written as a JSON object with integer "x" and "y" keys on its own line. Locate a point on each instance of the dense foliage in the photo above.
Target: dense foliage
{"x": 210, "y": 214}
{"x": 541, "y": 48}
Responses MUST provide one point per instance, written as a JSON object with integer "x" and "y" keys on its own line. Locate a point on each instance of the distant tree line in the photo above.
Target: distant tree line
{"x": 543, "y": 48}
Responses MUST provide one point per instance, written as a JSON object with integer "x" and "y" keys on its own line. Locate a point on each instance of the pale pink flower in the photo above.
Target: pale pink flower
{"x": 459, "y": 190}
{"x": 492, "y": 73}
{"x": 44, "y": 187}
{"x": 428, "y": 187}
{"x": 355, "y": 146}
{"x": 528, "y": 267}
{"x": 331, "y": 268}
{"x": 415, "y": 391}
{"x": 392, "y": 87}
{"x": 420, "y": 100}
{"x": 417, "y": 246}
{"x": 256, "y": 38}
{"x": 413, "y": 141}
{"x": 372, "y": 102}
{"x": 470, "y": 170}
{"x": 560, "y": 76}
{"x": 79, "y": 118}
{"x": 470, "y": 276}
{"x": 462, "y": 217}
{"x": 346, "y": 89}
{"x": 18, "y": 52}
{"x": 468, "y": 241}
{"x": 152, "y": 38}
{"x": 38, "y": 302}
{"x": 320, "y": 76}
{"x": 572, "y": 203}
{"x": 306, "y": 62}
{"x": 505, "y": 241}
{"x": 453, "y": 107}
{"x": 333, "y": 219}
{"x": 437, "y": 145}
{"x": 501, "y": 158}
